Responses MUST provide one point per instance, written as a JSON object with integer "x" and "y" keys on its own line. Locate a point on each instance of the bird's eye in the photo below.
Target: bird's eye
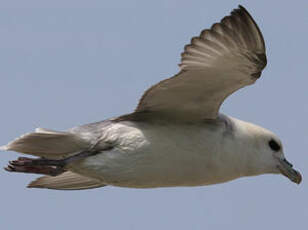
{"x": 274, "y": 145}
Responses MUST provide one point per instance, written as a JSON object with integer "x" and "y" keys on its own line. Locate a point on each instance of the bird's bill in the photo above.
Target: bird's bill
{"x": 286, "y": 169}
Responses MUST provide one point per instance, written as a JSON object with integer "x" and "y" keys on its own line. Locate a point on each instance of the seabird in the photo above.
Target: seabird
{"x": 176, "y": 136}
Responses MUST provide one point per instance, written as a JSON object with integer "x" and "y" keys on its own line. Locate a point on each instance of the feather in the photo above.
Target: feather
{"x": 66, "y": 181}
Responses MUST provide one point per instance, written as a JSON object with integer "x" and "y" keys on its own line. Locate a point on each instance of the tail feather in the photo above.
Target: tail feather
{"x": 3, "y": 148}
{"x": 66, "y": 181}
{"x": 47, "y": 143}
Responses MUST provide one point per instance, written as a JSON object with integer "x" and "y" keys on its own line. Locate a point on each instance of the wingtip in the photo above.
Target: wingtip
{"x": 240, "y": 9}
{"x": 35, "y": 184}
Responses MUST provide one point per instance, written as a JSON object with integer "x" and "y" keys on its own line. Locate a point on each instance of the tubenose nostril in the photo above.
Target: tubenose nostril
{"x": 287, "y": 162}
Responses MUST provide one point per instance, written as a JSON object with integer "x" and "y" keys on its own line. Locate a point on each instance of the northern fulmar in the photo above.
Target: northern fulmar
{"x": 176, "y": 135}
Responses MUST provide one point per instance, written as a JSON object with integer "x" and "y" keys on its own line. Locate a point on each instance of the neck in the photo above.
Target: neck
{"x": 249, "y": 138}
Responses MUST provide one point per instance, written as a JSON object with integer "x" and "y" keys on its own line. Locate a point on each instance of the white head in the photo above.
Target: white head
{"x": 266, "y": 152}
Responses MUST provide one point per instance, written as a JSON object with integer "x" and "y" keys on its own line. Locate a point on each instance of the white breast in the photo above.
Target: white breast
{"x": 149, "y": 155}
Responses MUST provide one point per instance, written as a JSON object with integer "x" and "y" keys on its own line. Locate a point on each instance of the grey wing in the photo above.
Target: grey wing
{"x": 220, "y": 61}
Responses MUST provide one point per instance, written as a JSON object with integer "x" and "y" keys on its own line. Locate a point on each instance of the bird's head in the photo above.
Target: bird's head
{"x": 267, "y": 153}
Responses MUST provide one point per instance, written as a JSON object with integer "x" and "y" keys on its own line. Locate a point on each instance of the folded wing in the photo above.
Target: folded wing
{"x": 220, "y": 61}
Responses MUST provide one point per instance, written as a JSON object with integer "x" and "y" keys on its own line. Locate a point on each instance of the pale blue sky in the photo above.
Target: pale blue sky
{"x": 65, "y": 63}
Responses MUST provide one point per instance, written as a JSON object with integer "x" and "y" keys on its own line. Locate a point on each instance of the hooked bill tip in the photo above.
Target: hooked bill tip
{"x": 298, "y": 178}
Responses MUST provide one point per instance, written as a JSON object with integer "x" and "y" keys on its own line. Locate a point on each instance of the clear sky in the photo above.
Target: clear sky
{"x": 66, "y": 63}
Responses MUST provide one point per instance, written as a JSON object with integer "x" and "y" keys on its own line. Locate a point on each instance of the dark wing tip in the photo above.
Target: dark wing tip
{"x": 242, "y": 8}
{"x": 244, "y": 11}
{"x": 236, "y": 31}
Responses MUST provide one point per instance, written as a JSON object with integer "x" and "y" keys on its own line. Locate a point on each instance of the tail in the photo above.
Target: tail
{"x": 53, "y": 148}
{"x": 48, "y": 143}
{"x": 66, "y": 181}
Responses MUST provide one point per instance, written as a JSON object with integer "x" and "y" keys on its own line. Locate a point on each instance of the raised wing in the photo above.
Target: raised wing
{"x": 220, "y": 61}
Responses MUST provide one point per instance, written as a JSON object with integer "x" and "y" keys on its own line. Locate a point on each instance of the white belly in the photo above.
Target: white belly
{"x": 162, "y": 155}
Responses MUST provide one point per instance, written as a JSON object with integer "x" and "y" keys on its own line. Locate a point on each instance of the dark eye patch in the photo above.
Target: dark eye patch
{"x": 274, "y": 145}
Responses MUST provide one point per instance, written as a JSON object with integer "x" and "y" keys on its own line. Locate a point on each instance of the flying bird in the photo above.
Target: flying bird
{"x": 176, "y": 135}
